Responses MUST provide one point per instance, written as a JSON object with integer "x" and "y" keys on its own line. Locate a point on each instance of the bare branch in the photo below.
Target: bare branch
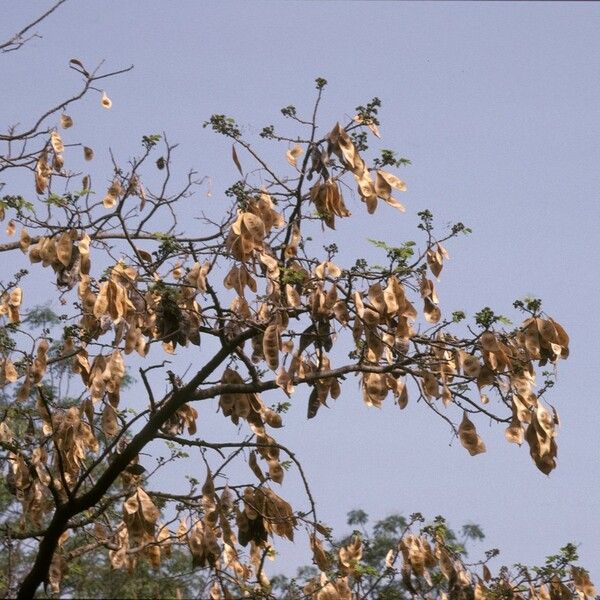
{"x": 19, "y": 39}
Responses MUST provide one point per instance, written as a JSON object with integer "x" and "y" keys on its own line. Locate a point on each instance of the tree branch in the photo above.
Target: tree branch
{"x": 17, "y": 40}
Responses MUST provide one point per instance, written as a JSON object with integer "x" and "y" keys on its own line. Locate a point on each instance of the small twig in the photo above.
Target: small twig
{"x": 17, "y": 40}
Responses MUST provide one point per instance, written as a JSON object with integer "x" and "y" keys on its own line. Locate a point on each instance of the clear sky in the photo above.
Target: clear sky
{"x": 498, "y": 107}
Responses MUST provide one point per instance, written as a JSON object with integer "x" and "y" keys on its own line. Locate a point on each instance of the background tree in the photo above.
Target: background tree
{"x": 375, "y": 572}
{"x": 272, "y": 311}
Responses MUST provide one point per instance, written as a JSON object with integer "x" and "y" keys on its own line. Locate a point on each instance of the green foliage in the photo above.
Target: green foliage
{"x": 42, "y": 316}
{"x": 458, "y": 316}
{"x": 168, "y": 246}
{"x": 321, "y": 83}
{"x": 389, "y": 159}
{"x": 223, "y": 125}
{"x": 371, "y": 573}
{"x": 399, "y": 254}
{"x": 268, "y": 132}
{"x": 368, "y": 113}
{"x": 426, "y": 223}
{"x": 91, "y": 576}
{"x": 471, "y": 531}
{"x": 331, "y": 249}
{"x": 18, "y": 203}
{"x": 174, "y": 574}
{"x": 7, "y": 342}
{"x": 529, "y": 304}
{"x": 372, "y": 578}
{"x": 460, "y": 228}
{"x": 292, "y": 276}
{"x": 240, "y": 192}
{"x": 558, "y": 564}
{"x": 149, "y": 141}
{"x": 359, "y": 138}
{"x": 288, "y": 111}
{"x": 486, "y": 317}
{"x": 357, "y": 517}
{"x": 281, "y": 407}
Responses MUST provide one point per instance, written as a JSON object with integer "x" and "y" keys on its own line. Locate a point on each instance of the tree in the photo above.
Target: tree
{"x": 373, "y": 573}
{"x": 90, "y": 573}
{"x": 271, "y": 309}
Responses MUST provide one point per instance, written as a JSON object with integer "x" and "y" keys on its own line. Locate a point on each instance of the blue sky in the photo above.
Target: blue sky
{"x": 498, "y": 107}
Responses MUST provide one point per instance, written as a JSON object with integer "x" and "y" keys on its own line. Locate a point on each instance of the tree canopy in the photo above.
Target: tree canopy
{"x": 255, "y": 297}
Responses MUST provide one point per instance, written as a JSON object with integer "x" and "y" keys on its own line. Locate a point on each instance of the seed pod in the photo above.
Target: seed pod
{"x": 271, "y": 346}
